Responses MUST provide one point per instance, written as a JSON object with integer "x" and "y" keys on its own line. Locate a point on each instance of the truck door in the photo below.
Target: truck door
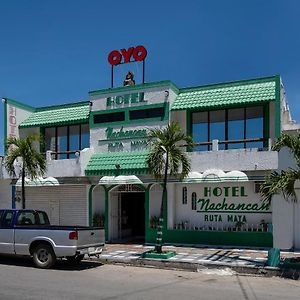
{"x": 7, "y": 233}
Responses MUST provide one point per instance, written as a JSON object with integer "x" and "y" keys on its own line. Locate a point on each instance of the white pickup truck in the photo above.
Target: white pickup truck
{"x": 28, "y": 232}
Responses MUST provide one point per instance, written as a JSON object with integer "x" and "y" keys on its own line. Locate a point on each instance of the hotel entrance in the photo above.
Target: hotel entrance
{"x": 127, "y": 214}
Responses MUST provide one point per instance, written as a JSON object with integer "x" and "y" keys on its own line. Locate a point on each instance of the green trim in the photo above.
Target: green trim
{"x": 142, "y": 86}
{"x": 126, "y": 110}
{"x": 278, "y": 107}
{"x": 58, "y": 124}
{"x": 235, "y": 238}
{"x": 229, "y": 84}
{"x": 223, "y": 106}
{"x": 227, "y": 106}
{"x": 20, "y": 105}
{"x": 266, "y": 123}
{"x": 5, "y": 127}
{"x": 189, "y": 127}
{"x": 90, "y": 204}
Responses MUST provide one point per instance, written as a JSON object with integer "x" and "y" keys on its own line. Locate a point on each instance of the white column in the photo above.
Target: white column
{"x": 297, "y": 217}
{"x": 171, "y": 205}
{"x": 283, "y": 223}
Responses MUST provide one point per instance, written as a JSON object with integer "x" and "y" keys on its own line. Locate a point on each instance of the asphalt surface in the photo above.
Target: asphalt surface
{"x": 91, "y": 280}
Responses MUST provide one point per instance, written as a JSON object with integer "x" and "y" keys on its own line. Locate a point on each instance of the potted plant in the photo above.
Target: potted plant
{"x": 238, "y": 225}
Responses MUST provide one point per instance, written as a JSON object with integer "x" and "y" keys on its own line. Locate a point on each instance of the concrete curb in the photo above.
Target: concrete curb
{"x": 198, "y": 267}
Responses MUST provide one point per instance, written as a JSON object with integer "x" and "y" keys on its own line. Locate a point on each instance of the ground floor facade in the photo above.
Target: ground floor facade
{"x": 215, "y": 213}
{"x": 208, "y": 213}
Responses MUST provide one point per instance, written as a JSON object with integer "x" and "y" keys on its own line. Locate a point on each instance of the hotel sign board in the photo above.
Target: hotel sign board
{"x": 125, "y": 100}
{"x": 125, "y": 56}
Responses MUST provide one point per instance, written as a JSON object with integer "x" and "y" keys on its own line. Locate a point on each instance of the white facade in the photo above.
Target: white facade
{"x": 79, "y": 197}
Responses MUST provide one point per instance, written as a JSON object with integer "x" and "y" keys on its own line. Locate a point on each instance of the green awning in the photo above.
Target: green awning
{"x": 58, "y": 115}
{"x": 117, "y": 163}
{"x": 227, "y": 94}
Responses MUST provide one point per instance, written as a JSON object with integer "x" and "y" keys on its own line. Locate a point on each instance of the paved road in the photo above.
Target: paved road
{"x": 19, "y": 280}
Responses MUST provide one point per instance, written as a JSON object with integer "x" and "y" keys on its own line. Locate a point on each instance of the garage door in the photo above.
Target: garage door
{"x": 65, "y": 205}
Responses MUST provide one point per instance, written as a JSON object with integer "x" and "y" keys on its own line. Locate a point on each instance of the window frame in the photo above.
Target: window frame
{"x": 184, "y": 195}
{"x": 127, "y": 110}
{"x": 265, "y": 121}
{"x": 68, "y": 139}
{"x": 194, "y": 201}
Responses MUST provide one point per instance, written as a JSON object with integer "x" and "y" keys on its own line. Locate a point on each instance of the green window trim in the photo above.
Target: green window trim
{"x": 278, "y": 108}
{"x": 126, "y": 110}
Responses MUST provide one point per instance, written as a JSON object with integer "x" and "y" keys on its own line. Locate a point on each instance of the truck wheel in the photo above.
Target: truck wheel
{"x": 43, "y": 256}
{"x": 75, "y": 259}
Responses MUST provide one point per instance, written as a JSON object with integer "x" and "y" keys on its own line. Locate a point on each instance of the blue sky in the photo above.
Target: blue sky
{"x": 54, "y": 52}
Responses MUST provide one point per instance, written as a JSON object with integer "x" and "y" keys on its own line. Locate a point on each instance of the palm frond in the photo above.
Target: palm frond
{"x": 168, "y": 140}
{"x": 292, "y": 142}
{"x": 280, "y": 182}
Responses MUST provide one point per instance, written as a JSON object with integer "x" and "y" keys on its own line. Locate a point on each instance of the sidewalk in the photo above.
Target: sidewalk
{"x": 194, "y": 258}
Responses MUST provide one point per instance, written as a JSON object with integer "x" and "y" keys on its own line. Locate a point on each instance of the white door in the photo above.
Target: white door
{"x": 114, "y": 212}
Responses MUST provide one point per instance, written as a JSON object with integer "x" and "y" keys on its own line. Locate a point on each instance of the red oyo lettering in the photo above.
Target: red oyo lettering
{"x": 127, "y": 54}
{"x": 138, "y": 53}
{"x": 114, "y": 57}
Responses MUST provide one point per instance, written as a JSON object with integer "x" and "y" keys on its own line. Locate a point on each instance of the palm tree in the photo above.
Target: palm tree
{"x": 166, "y": 156}
{"x": 283, "y": 181}
{"x": 33, "y": 163}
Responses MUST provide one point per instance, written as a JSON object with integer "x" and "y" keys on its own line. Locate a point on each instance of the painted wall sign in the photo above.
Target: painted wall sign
{"x": 120, "y": 100}
{"x": 222, "y": 206}
{"x": 214, "y": 209}
{"x": 124, "y": 56}
{"x": 12, "y": 121}
{"x": 112, "y": 134}
{"x": 207, "y": 205}
{"x": 116, "y": 138}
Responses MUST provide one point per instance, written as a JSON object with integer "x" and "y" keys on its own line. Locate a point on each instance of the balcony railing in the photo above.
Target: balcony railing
{"x": 56, "y": 155}
{"x": 214, "y": 144}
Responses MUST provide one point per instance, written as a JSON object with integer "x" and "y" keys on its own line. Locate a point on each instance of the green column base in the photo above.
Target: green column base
{"x": 155, "y": 255}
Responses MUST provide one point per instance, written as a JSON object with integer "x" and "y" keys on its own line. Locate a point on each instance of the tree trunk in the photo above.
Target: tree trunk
{"x": 23, "y": 188}
{"x": 159, "y": 236}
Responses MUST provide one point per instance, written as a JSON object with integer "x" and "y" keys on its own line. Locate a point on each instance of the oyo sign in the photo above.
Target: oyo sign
{"x": 124, "y": 56}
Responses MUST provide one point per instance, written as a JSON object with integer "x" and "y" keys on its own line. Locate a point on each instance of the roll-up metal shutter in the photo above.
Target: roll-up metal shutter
{"x": 65, "y": 205}
{"x": 5, "y": 194}
{"x": 73, "y": 205}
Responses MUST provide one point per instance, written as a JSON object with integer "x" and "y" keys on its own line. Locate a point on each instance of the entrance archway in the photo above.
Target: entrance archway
{"x": 127, "y": 213}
